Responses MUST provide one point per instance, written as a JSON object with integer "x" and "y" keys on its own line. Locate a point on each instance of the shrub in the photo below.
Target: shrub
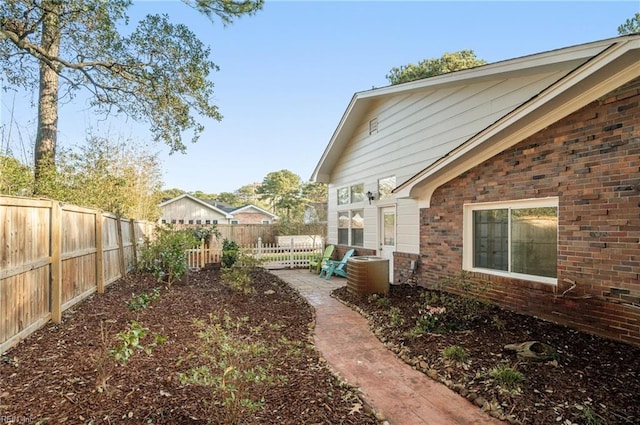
{"x": 230, "y": 252}
{"x": 455, "y": 353}
{"x": 165, "y": 256}
{"x": 506, "y": 376}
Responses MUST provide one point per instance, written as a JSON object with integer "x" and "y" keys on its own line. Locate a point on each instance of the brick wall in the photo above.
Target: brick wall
{"x": 591, "y": 161}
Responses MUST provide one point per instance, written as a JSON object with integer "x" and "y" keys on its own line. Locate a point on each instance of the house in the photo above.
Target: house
{"x": 521, "y": 176}
{"x": 187, "y": 209}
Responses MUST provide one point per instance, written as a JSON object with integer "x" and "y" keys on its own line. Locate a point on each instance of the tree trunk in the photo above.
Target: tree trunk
{"x": 46, "y": 137}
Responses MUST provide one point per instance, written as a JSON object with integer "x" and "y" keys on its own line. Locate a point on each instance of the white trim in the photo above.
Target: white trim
{"x": 467, "y": 235}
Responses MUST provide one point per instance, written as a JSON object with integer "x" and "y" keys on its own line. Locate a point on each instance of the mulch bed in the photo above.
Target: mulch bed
{"x": 52, "y": 377}
{"x": 591, "y": 381}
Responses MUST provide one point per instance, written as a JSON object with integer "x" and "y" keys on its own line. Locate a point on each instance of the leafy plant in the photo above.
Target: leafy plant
{"x": 231, "y": 369}
{"x": 165, "y": 256}
{"x": 237, "y": 276}
{"x": 506, "y": 376}
{"x": 131, "y": 342}
{"x": 143, "y": 300}
{"x": 429, "y": 321}
{"x": 587, "y": 415}
{"x": 455, "y": 353}
{"x": 230, "y": 252}
{"x": 395, "y": 317}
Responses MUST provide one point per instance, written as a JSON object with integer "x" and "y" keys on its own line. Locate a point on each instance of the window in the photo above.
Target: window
{"x": 517, "y": 239}
{"x": 265, "y": 221}
{"x": 164, "y": 221}
{"x": 351, "y": 228}
{"x": 190, "y": 221}
{"x": 373, "y": 126}
{"x": 181, "y": 221}
{"x": 343, "y": 195}
{"x": 207, "y": 222}
{"x": 357, "y": 193}
{"x": 198, "y": 221}
{"x": 234, "y": 222}
{"x": 351, "y": 194}
{"x": 173, "y": 221}
{"x": 385, "y": 186}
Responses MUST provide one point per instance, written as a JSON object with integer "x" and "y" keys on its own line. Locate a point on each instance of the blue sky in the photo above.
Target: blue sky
{"x": 288, "y": 73}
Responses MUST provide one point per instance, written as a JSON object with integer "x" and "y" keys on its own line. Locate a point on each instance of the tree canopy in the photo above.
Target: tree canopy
{"x": 630, "y": 26}
{"x": 449, "y": 62}
{"x": 157, "y": 72}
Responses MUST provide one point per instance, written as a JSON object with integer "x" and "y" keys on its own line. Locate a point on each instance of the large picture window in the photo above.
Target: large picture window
{"x": 518, "y": 239}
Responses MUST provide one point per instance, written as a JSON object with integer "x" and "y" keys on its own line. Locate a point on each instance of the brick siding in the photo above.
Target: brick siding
{"x": 590, "y": 160}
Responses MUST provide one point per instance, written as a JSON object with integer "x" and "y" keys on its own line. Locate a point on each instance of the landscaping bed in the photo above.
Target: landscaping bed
{"x": 461, "y": 341}
{"x": 213, "y": 355}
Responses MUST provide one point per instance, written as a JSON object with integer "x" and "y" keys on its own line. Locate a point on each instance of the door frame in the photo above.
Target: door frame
{"x": 386, "y": 251}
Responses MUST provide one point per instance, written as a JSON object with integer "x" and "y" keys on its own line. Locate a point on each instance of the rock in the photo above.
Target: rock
{"x": 533, "y": 351}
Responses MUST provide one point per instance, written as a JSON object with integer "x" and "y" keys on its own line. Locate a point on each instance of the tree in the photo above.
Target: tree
{"x": 282, "y": 190}
{"x": 630, "y": 26}
{"x": 449, "y": 62}
{"x": 167, "y": 194}
{"x": 15, "y": 177}
{"x": 158, "y": 73}
{"x": 116, "y": 176}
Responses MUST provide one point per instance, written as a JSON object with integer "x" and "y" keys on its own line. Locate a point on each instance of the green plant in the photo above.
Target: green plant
{"x": 230, "y": 252}
{"x": 429, "y": 321}
{"x": 231, "y": 368}
{"x": 142, "y": 300}
{"x": 205, "y": 233}
{"x": 455, "y": 353}
{"x": 395, "y": 317}
{"x": 587, "y": 415}
{"x": 131, "y": 342}
{"x": 165, "y": 256}
{"x": 506, "y": 376}
{"x": 237, "y": 276}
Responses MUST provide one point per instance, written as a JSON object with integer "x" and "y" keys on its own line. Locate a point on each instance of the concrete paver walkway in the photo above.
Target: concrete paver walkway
{"x": 402, "y": 394}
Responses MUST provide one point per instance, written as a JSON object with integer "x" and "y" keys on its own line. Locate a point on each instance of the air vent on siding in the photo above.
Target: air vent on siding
{"x": 373, "y": 126}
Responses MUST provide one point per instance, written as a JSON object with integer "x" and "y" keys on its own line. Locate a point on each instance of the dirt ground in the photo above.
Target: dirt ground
{"x": 588, "y": 380}
{"x": 247, "y": 359}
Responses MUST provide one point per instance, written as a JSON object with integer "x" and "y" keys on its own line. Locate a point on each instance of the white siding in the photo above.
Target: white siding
{"x": 415, "y": 130}
{"x": 186, "y": 209}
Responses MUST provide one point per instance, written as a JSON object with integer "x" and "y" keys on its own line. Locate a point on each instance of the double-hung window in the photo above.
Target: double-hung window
{"x": 351, "y": 220}
{"x": 515, "y": 239}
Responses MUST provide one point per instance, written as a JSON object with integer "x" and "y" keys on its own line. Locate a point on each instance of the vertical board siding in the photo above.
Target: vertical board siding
{"x": 27, "y": 260}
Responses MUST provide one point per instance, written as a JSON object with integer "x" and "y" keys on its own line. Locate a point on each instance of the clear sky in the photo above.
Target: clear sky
{"x": 288, "y": 73}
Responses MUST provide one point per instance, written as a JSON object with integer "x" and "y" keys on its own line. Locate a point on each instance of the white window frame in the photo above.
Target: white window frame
{"x": 350, "y": 228}
{"x": 467, "y": 231}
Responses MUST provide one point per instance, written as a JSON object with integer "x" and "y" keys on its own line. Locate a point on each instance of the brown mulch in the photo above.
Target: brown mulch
{"x": 52, "y": 377}
{"x": 591, "y": 380}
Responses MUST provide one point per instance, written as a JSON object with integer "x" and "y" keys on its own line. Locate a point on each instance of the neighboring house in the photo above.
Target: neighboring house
{"x": 187, "y": 209}
{"x": 524, "y": 174}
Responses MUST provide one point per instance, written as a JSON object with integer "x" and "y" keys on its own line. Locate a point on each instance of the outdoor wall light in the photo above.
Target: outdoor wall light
{"x": 371, "y": 196}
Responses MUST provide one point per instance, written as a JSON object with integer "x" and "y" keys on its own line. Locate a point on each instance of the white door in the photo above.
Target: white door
{"x": 387, "y": 236}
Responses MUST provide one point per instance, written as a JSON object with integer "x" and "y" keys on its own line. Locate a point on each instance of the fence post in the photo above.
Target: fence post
{"x": 202, "y": 256}
{"x": 291, "y": 254}
{"x": 99, "y": 254}
{"x": 259, "y": 247}
{"x": 123, "y": 267}
{"x": 56, "y": 262}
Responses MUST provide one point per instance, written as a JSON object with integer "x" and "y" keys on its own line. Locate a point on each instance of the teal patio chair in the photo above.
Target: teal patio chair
{"x": 332, "y": 267}
{"x": 318, "y": 260}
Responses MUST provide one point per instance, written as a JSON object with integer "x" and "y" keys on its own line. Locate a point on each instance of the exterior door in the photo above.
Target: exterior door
{"x": 387, "y": 236}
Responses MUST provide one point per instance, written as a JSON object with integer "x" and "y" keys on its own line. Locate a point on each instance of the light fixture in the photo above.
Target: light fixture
{"x": 370, "y": 196}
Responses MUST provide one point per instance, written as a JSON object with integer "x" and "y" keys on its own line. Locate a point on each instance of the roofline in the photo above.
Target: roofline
{"x": 514, "y": 127}
{"x": 201, "y": 202}
{"x": 272, "y": 215}
{"x": 360, "y": 101}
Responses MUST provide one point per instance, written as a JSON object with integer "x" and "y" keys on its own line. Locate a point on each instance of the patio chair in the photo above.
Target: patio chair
{"x": 318, "y": 260}
{"x": 332, "y": 267}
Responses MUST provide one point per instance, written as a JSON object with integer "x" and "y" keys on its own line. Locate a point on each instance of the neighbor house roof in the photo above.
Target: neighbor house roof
{"x": 199, "y": 201}
{"x": 248, "y": 208}
{"x": 592, "y": 70}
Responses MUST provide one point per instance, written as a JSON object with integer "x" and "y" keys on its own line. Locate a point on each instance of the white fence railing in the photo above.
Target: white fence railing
{"x": 287, "y": 254}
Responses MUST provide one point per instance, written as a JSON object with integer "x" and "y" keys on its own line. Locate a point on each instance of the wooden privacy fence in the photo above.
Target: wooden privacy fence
{"x": 53, "y": 255}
